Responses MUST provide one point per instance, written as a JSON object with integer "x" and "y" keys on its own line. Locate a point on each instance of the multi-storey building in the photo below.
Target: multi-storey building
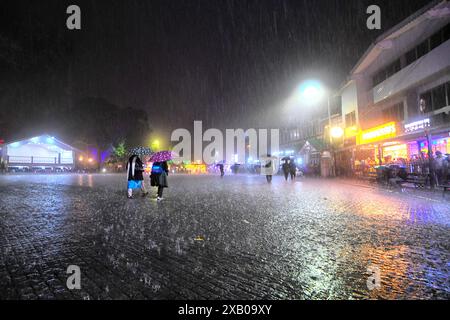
{"x": 397, "y": 98}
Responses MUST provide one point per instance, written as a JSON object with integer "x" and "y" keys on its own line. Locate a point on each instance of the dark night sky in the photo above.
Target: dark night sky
{"x": 225, "y": 62}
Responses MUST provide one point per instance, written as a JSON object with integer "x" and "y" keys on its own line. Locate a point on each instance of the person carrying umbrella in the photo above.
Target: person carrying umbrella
{"x": 222, "y": 172}
{"x": 269, "y": 167}
{"x": 135, "y": 169}
{"x": 160, "y": 171}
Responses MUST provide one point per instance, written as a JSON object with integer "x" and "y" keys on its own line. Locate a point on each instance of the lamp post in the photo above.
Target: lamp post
{"x": 422, "y": 108}
{"x": 312, "y": 92}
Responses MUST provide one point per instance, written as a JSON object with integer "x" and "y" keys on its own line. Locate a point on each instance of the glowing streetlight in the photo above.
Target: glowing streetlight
{"x": 80, "y": 159}
{"x": 155, "y": 144}
{"x": 336, "y": 132}
{"x": 311, "y": 92}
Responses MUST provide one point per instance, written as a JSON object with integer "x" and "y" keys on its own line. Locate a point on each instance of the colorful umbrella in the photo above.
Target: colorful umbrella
{"x": 161, "y": 156}
{"x": 141, "y": 151}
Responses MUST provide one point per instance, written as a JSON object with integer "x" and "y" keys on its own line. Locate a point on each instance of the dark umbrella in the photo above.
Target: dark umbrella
{"x": 141, "y": 151}
{"x": 161, "y": 156}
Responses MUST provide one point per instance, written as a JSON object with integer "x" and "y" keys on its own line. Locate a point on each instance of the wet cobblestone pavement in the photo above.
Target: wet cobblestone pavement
{"x": 231, "y": 238}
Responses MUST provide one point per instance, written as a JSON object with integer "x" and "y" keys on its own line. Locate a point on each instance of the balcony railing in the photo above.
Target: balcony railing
{"x": 38, "y": 160}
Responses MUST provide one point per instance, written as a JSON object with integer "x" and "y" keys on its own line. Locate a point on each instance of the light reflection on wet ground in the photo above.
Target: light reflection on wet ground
{"x": 236, "y": 237}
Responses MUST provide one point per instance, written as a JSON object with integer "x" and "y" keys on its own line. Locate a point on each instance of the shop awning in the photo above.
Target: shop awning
{"x": 313, "y": 145}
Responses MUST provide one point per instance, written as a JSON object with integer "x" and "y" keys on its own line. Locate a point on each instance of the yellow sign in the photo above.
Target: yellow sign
{"x": 379, "y": 133}
{"x": 351, "y": 132}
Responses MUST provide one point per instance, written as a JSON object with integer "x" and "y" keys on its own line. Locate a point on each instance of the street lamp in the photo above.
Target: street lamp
{"x": 155, "y": 144}
{"x": 312, "y": 92}
{"x": 422, "y": 109}
{"x": 336, "y": 132}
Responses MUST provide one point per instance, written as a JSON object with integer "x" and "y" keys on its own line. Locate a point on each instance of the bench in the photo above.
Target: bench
{"x": 369, "y": 176}
{"x": 419, "y": 181}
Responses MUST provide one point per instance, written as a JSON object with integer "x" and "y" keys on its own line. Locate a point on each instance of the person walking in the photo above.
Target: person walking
{"x": 158, "y": 177}
{"x": 285, "y": 168}
{"x": 222, "y": 172}
{"x": 268, "y": 168}
{"x": 135, "y": 170}
{"x": 2, "y": 166}
{"x": 439, "y": 167}
{"x": 446, "y": 168}
{"x": 292, "y": 169}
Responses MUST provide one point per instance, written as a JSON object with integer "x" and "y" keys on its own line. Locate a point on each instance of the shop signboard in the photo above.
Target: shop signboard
{"x": 417, "y": 125}
{"x": 380, "y": 133}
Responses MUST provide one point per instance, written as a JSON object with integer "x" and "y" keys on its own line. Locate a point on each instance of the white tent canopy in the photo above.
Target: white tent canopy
{"x": 40, "y": 150}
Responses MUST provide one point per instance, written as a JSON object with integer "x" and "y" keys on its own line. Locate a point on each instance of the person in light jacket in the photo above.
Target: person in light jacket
{"x": 135, "y": 170}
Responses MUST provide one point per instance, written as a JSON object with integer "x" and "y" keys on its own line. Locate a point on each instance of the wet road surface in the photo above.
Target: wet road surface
{"x": 231, "y": 238}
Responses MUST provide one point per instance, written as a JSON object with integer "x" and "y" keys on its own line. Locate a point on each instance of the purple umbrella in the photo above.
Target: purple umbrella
{"x": 161, "y": 156}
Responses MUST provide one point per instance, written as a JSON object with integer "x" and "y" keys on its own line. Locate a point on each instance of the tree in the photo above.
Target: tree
{"x": 120, "y": 152}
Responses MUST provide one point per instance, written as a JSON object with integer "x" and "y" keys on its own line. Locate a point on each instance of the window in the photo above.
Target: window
{"x": 336, "y": 105}
{"x": 438, "y": 97}
{"x": 350, "y": 119}
{"x": 394, "y": 113}
{"x": 435, "y": 40}
{"x": 446, "y": 33}
{"x": 447, "y": 85}
{"x": 393, "y": 68}
{"x": 422, "y": 49}
{"x": 410, "y": 56}
{"x": 378, "y": 78}
{"x": 386, "y": 72}
{"x": 426, "y": 97}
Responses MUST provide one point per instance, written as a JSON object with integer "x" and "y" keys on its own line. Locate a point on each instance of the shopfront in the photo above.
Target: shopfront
{"x": 374, "y": 144}
{"x": 400, "y": 144}
{"x": 437, "y": 144}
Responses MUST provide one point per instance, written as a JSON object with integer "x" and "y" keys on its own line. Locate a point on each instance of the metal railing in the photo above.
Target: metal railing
{"x": 38, "y": 160}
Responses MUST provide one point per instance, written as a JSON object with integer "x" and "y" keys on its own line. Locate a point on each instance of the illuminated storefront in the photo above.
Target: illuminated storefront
{"x": 195, "y": 168}
{"x": 440, "y": 144}
{"x": 372, "y": 150}
{"x": 380, "y": 133}
{"x": 396, "y": 151}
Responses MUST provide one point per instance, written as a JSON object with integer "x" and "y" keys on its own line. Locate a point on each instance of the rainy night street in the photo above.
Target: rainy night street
{"x": 231, "y": 238}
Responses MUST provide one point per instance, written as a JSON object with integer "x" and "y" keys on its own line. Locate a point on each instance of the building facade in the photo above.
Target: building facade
{"x": 396, "y": 103}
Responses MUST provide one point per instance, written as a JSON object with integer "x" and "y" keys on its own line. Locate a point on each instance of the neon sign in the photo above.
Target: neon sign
{"x": 382, "y": 132}
{"x": 417, "y": 125}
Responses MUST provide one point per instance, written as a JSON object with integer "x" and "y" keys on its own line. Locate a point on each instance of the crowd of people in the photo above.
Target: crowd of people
{"x": 289, "y": 169}
{"x": 418, "y": 165}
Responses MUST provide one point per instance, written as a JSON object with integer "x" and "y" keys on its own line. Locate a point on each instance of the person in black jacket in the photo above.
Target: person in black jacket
{"x": 135, "y": 170}
{"x": 222, "y": 172}
{"x": 158, "y": 177}
{"x": 285, "y": 168}
{"x": 292, "y": 169}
